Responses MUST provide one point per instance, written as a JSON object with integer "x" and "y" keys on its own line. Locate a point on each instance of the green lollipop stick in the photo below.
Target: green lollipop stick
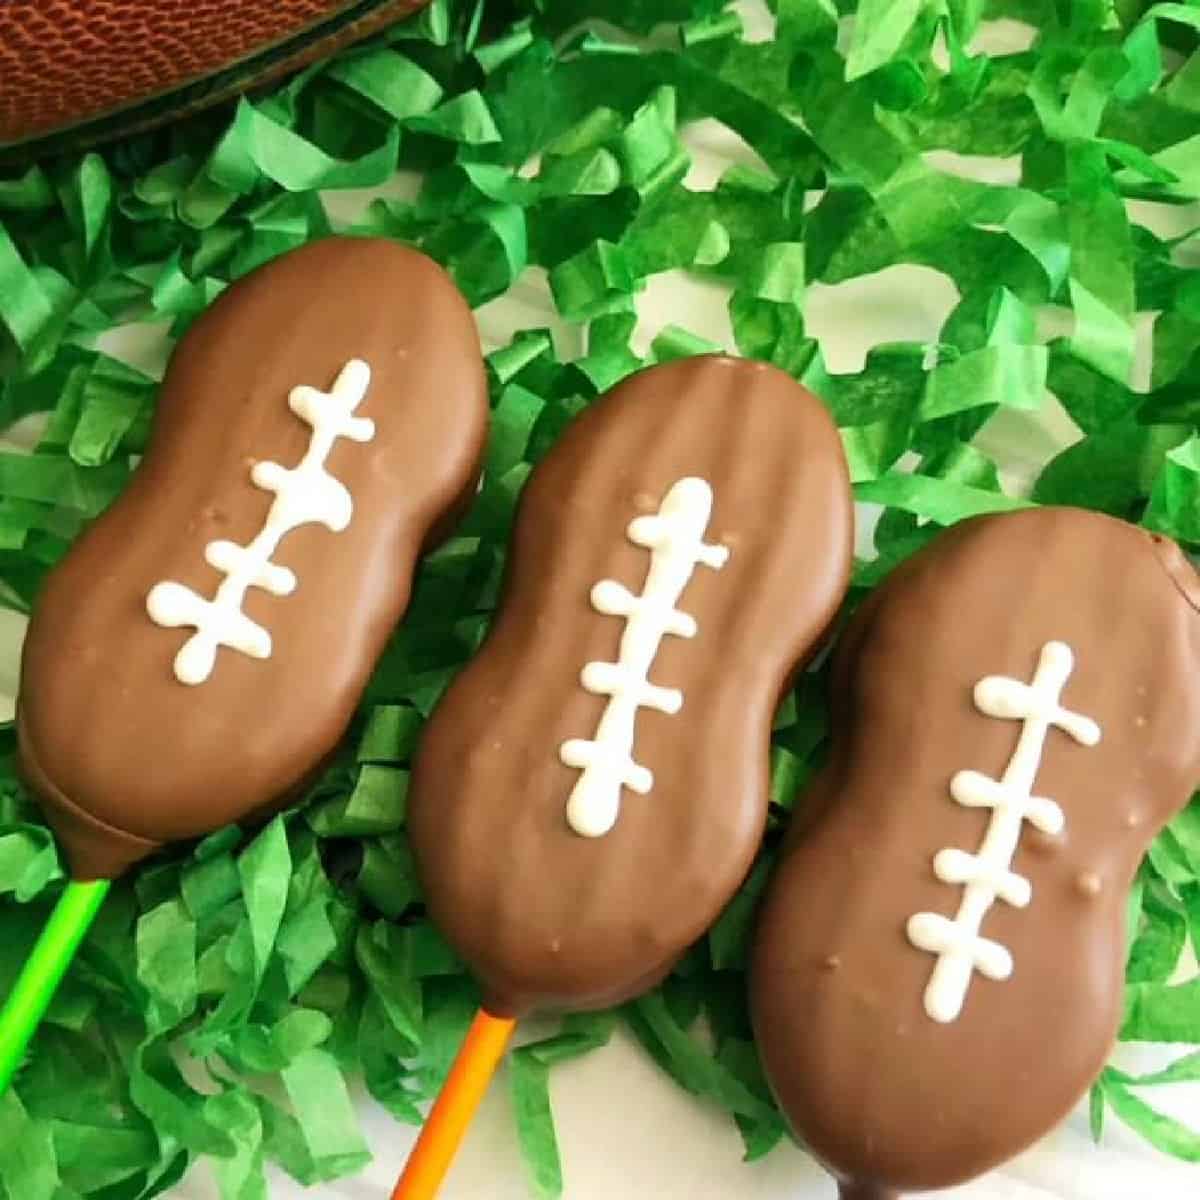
{"x": 44, "y": 969}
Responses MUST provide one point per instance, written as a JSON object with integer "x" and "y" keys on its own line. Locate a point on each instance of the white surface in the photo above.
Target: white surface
{"x": 629, "y": 1134}
{"x": 626, "y": 1131}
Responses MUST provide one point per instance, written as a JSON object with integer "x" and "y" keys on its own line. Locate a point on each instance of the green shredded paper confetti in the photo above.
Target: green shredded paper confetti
{"x": 233, "y": 994}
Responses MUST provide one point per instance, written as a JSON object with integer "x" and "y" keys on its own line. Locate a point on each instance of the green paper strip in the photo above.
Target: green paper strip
{"x": 392, "y": 82}
{"x": 325, "y": 1115}
{"x": 166, "y": 954}
{"x": 1174, "y": 506}
{"x": 257, "y": 147}
{"x": 28, "y": 1164}
{"x": 529, "y": 1080}
{"x": 939, "y": 500}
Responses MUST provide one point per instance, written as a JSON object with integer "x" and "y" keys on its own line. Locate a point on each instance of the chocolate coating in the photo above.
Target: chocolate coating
{"x": 547, "y": 917}
{"x": 123, "y": 756}
{"x": 877, "y": 1089}
{"x": 853, "y": 1190}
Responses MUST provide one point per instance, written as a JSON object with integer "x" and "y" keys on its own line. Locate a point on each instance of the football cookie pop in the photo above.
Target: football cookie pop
{"x": 938, "y": 969}
{"x": 592, "y": 789}
{"x": 199, "y": 652}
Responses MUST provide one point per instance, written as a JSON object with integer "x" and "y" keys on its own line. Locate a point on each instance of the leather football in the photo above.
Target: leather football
{"x": 84, "y": 71}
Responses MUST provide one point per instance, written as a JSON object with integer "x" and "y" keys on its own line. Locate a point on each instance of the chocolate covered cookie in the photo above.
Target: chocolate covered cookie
{"x": 201, "y": 649}
{"x": 592, "y": 788}
{"x": 939, "y": 963}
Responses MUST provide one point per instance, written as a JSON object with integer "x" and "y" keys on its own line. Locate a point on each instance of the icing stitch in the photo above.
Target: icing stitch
{"x": 304, "y": 494}
{"x": 675, "y": 538}
{"x": 987, "y": 876}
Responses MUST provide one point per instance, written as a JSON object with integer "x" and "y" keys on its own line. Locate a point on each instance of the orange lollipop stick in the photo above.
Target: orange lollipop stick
{"x": 464, "y": 1088}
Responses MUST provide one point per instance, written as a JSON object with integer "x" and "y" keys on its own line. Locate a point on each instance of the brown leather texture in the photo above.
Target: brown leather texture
{"x": 66, "y": 62}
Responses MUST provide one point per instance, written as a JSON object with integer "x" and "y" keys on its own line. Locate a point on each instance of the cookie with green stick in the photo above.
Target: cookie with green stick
{"x": 197, "y": 656}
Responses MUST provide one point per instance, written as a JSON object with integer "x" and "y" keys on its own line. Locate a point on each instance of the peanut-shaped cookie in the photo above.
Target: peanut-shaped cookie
{"x": 201, "y": 649}
{"x": 592, "y": 788}
{"x": 939, "y": 962}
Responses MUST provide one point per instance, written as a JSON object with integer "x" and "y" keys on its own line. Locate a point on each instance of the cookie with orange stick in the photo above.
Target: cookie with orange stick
{"x": 592, "y": 789}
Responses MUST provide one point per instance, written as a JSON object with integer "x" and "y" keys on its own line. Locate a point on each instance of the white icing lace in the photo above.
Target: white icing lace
{"x": 988, "y": 876}
{"x": 304, "y": 494}
{"x": 675, "y": 538}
